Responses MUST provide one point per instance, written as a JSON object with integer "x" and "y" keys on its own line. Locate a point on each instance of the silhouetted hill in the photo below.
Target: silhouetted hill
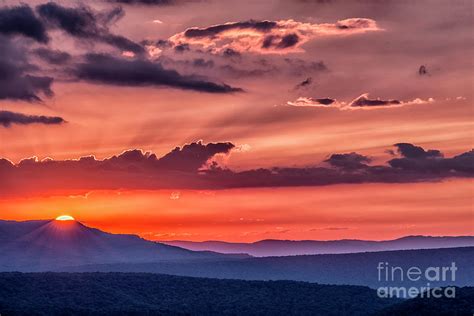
{"x": 153, "y": 294}
{"x": 46, "y": 245}
{"x": 355, "y": 269}
{"x": 461, "y": 305}
{"x": 270, "y": 247}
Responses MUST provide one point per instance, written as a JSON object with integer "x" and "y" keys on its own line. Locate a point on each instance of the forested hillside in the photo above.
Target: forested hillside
{"x": 153, "y": 294}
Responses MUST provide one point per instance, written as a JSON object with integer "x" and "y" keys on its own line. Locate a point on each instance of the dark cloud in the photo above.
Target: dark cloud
{"x": 348, "y": 161}
{"x": 200, "y": 62}
{"x": 8, "y": 118}
{"x": 52, "y": 56}
{"x": 416, "y": 159}
{"x": 122, "y": 43}
{"x": 211, "y": 31}
{"x": 18, "y": 86}
{"x": 80, "y": 21}
{"x": 463, "y": 163}
{"x": 364, "y": 100}
{"x": 84, "y": 23}
{"x": 16, "y": 81}
{"x": 277, "y": 42}
{"x": 229, "y": 52}
{"x": 180, "y": 48}
{"x": 268, "y": 41}
{"x": 160, "y": 43}
{"x": 408, "y": 150}
{"x": 288, "y": 40}
{"x": 423, "y": 71}
{"x": 325, "y": 101}
{"x": 193, "y": 167}
{"x": 21, "y": 20}
{"x": 132, "y": 169}
{"x": 304, "y": 83}
{"x": 193, "y": 156}
{"x": 118, "y": 71}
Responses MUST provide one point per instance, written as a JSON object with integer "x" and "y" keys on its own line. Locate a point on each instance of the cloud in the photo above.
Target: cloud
{"x": 348, "y": 161}
{"x": 416, "y": 159}
{"x": 408, "y": 150}
{"x": 84, "y": 23}
{"x": 181, "y": 48}
{"x": 312, "y": 102}
{"x": 52, "y": 56}
{"x": 16, "y": 80}
{"x": 193, "y": 156}
{"x": 230, "y": 53}
{"x": 230, "y": 63}
{"x": 21, "y": 20}
{"x": 364, "y": 100}
{"x": 212, "y": 31}
{"x": 8, "y": 118}
{"x": 280, "y": 37}
{"x": 307, "y": 82}
{"x": 182, "y": 168}
{"x": 423, "y": 71}
{"x": 201, "y": 63}
{"x": 361, "y": 102}
{"x": 299, "y": 67}
{"x": 107, "y": 69}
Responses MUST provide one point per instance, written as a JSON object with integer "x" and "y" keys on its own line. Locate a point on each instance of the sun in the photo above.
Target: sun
{"x": 65, "y": 218}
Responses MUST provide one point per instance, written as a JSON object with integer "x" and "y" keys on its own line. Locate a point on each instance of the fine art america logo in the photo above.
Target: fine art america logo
{"x": 429, "y": 276}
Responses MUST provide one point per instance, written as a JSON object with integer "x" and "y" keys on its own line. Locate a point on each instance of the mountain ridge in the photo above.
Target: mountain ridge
{"x": 340, "y": 269}
{"x": 277, "y": 247}
{"x": 44, "y": 245}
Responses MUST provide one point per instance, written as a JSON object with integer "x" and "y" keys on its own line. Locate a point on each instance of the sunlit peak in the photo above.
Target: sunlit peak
{"x": 65, "y": 218}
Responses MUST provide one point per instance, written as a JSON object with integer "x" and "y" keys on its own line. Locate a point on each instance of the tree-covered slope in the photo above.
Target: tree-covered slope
{"x": 153, "y": 294}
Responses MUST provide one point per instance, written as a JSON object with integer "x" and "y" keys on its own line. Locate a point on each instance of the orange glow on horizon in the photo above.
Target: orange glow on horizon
{"x": 368, "y": 211}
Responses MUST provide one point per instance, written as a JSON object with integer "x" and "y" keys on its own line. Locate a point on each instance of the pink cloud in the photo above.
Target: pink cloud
{"x": 268, "y": 37}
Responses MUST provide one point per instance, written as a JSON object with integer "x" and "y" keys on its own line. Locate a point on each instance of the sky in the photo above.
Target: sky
{"x": 203, "y": 120}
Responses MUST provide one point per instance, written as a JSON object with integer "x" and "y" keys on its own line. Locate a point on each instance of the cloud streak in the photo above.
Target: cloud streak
{"x": 106, "y": 69}
{"x": 8, "y": 118}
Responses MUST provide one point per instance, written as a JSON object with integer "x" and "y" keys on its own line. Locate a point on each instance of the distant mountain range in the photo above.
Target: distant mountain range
{"x": 271, "y": 247}
{"x": 69, "y": 246}
{"x": 48, "y": 245}
{"x": 343, "y": 269}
